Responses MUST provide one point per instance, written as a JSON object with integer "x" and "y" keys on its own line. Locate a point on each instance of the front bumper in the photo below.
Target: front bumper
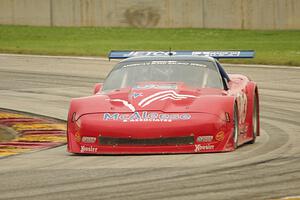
{"x": 201, "y": 134}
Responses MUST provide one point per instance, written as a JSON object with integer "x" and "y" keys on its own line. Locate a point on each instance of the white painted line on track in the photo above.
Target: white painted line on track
{"x": 262, "y": 66}
{"x": 57, "y": 57}
{"x": 292, "y": 197}
{"x": 106, "y": 59}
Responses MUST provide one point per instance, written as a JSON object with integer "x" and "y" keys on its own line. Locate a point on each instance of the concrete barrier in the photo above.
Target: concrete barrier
{"x": 25, "y": 12}
{"x": 233, "y": 14}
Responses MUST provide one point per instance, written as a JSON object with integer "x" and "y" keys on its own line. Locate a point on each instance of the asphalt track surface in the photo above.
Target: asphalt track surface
{"x": 44, "y": 85}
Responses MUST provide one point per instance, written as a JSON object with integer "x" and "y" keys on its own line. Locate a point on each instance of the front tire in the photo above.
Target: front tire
{"x": 254, "y": 120}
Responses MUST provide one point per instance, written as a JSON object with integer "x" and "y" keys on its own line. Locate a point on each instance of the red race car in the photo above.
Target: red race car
{"x": 166, "y": 102}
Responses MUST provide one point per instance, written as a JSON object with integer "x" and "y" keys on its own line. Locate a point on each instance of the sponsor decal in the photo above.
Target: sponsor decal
{"x": 227, "y": 116}
{"x": 199, "y": 147}
{"x": 86, "y": 149}
{"x": 146, "y": 117}
{"x": 154, "y": 86}
{"x": 243, "y": 129}
{"x": 217, "y": 53}
{"x": 220, "y": 136}
{"x": 242, "y": 105}
{"x": 136, "y": 95}
{"x": 206, "y": 138}
{"x": 149, "y": 53}
{"x": 86, "y": 139}
{"x": 77, "y": 137}
{"x": 162, "y": 62}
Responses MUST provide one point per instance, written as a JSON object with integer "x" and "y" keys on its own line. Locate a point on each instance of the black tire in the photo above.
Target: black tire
{"x": 254, "y": 120}
{"x": 235, "y": 134}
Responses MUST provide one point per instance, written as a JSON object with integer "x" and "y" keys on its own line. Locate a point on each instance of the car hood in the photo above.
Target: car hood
{"x": 183, "y": 100}
{"x": 153, "y": 99}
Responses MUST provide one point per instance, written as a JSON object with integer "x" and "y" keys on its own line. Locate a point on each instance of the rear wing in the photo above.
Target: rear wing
{"x": 231, "y": 54}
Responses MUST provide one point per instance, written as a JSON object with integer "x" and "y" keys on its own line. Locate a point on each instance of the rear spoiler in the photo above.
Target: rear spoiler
{"x": 231, "y": 54}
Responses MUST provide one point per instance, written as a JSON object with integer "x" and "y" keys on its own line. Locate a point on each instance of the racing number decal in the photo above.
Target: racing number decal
{"x": 242, "y": 106}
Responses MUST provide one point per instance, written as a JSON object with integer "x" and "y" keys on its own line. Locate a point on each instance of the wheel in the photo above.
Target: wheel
{"x": 235, "y": 134}
{"x": 254, "y": 120}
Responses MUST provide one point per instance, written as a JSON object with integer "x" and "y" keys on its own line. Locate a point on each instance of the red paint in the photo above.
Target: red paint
{"x": 207, "y": 109}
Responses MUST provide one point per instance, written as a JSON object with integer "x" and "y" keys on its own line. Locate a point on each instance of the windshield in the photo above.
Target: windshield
{"x": 200, "y": 74}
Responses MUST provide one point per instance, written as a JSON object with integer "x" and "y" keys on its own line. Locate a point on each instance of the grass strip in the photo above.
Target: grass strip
{"x": 272, "y": 47}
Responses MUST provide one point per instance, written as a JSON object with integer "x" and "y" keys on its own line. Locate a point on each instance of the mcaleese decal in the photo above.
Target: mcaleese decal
{"x": 146, "y": 117}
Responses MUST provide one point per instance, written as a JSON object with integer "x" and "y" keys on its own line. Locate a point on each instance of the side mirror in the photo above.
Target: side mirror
{"x": 97, "y": 87}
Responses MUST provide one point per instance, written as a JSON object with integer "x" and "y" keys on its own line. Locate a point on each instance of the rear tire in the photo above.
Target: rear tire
{"x": 235, "y": 134}
{"x": 254, "y": 120}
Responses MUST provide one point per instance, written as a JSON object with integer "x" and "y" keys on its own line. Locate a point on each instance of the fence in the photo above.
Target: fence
{"x": 233, "y": 14}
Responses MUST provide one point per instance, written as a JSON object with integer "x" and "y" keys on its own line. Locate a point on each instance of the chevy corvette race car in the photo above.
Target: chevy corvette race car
{"x": 166, "y": 102}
